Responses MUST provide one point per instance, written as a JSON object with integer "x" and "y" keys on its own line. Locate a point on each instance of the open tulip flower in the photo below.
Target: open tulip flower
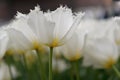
{"x": 72, "y": 50}
{"x": 100, "y": 53}
{"x": 53, "y": 28}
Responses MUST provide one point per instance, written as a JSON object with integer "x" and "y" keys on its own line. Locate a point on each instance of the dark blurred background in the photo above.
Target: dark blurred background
{"x": 100, "y": 9}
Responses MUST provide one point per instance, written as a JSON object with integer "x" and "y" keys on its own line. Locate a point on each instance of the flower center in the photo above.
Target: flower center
{"x": 36, "y": 45}
{"x": 109, "y": 63}
{"x": 55, "y": 43}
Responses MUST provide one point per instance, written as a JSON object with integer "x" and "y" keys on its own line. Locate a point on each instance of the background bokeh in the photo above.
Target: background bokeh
{"x": 94, "y": 8}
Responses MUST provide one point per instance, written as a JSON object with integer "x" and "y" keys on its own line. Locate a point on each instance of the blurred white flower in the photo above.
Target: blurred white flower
{"x": 100, "y": 52}
{"x": 21, "y": 36}
{"x": 3, "y": 42}
{"x": 94, "y": 28}
{"x": 53, "y": 28}
{"x": 59, "y": 65}
{"x": 31, "y": 57}
{"x": 57, "y": 52}
{"x": 18, "y": 43}
{"x": 72, "y": 50}
{"x": 100, "y": 49}
{"x": 100, "y": 28}
{"x": 4, "y": 72}
{"x": 21, "y": 25}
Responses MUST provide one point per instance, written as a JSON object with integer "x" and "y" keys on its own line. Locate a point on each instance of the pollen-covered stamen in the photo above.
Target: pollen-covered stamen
{"x": 38, "y": 46}
{"x": 55, "y": 42}
{"x": 35, "y": 45}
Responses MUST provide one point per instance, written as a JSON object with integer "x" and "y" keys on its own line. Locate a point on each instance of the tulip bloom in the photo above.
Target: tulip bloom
{"x": 5, "y": 73}
{"x": 20, "y": 25}
{"x": 17, "y": 42}
{"x": 100, "y": 53}
{"x": 53, "y": 28}
{"x": 72, "y": 50}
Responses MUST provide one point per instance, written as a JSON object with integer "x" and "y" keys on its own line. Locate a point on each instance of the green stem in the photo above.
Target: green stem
{"x": 25, "y": 66}
{"x": 77, "y": 70}
{"x": 10, "y": 71}
{"x": 71, "y": 74}
{"x": 75, "y": 66}
{"x": 50, "y": 63}
{"x": 41, "y": 66}
{"x": 116, "y": 70}
{"x": 8, "y": 59}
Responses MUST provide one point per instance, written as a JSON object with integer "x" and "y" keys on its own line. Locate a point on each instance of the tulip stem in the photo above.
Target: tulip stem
{"x": 10, "y": 71}
{"x": 75, "y": 65}
{"x": 41, "y": 66}
{"x": 7, "y": 59}
{"x": 25, "y": 66}
{"x": 71, "y": 74}
{"x": 77, "y": 70}
{"x": 116, "y": 70}
{"x": 50, "y": 63}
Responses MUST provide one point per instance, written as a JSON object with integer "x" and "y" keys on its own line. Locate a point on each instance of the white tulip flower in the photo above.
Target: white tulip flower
{"x": 72, "y": 50}
{"x": 100, "y": 49}
{"x": 57, "y": 52}
{"x": 21, "y": 36}
{"x": 20, "y": 24}
{"x": 59, "y": 65}
{"x": 101, "y": 28}
{"x": 100, "y": 52}
{"x": 94, "y": 28}
{"x": 5, "y": 73}
{"x": 53, "y": 28}
{"x": 18, "y": 43}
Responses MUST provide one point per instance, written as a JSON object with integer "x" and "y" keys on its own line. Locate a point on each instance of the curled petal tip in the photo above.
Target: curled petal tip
{"x": 37, "y": 8}
{"x": 63, "y": 8}
{"x": 19, "y": 14}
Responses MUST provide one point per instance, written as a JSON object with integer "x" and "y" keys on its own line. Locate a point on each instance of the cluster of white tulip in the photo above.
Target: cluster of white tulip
{"x": 37, "y": 29}
{"x": 97, "y": 41}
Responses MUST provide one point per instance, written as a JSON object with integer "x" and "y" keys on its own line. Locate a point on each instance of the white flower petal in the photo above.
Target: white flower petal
{"x": 18, "y": 43}
{"x": 40, "y": 26}
{"x": 73, "y": 27}
{"x": 72, "y": 50}
{"x": 100, "y": 51}
{"x": 63, "y": 19}
{"x": 3, "y": 43}
{"x": 21, "y": 25}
